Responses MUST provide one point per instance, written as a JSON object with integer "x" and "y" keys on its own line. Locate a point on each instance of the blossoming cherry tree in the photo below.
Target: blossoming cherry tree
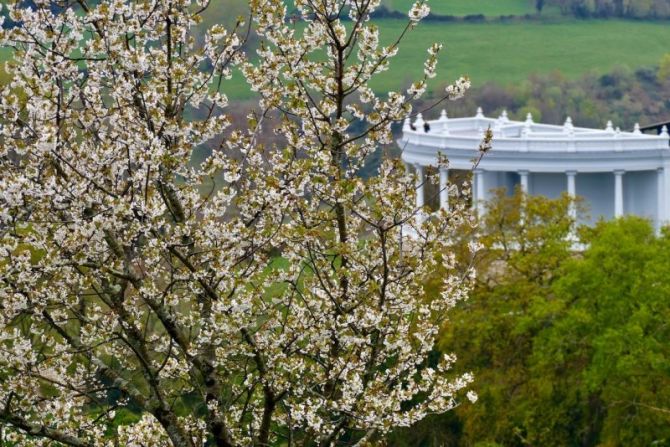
{"x": 263, "y": 296}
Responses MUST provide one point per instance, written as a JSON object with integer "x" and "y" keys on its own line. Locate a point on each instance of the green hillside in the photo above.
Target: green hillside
{"x": 505, "y": 53}
{"x": 508, "y": 53}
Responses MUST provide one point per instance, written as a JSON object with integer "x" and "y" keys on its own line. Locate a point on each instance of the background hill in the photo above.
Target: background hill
{"x": 509, "y": 50}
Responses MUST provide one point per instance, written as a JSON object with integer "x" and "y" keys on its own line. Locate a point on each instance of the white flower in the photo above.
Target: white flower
{"x": 458, "y": 88}
{"x": 419, "y": 11}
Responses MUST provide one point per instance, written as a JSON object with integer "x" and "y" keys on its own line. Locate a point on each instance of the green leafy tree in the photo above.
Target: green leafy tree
{"x": 602, "y": 368}
{"x": 494, "y": 331}
{"x": 509, "y": 306}
{"x": 568, "y": 348}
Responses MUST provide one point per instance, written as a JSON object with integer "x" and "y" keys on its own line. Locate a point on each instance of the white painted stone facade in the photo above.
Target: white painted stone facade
{"x": 615, "y": 172}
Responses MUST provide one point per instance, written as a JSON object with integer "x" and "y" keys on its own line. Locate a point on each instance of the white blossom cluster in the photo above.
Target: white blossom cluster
{"x": 264, "y": 296}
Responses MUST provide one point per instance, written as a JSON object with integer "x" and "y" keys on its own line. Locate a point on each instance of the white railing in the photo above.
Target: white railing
{"x": 551, "y": 143}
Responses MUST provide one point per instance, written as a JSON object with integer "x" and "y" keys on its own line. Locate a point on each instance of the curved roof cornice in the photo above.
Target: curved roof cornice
{"x": 547, "y": 147}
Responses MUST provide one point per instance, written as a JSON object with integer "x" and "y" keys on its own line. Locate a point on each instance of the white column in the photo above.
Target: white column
{"x": 572, "y": 192}
{"x": 523, "y": 175}
{"x": 478, "y": 196}
{"x": 420, "y": 180}
{"x": 444, "y": 188}
{"x": 665, "y": 208}
{"x": 473, "y": 188}
{"x": 660, "y": 198}
{"x": 618, "y": 193}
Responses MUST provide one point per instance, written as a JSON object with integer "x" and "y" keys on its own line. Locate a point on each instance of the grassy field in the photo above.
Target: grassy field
{"x": 508, "y": 53}
{"x": 466, "y": 7}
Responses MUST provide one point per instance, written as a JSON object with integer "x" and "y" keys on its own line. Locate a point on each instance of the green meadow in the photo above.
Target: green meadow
{"x": 495, "y": 51}
{"x": 507, "y": 53}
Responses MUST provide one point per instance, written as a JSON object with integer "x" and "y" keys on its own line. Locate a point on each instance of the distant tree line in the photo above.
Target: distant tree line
{"x": 623, "y": 95}
{"x": 384, "y": 12}
{"x": 658, "y": 9}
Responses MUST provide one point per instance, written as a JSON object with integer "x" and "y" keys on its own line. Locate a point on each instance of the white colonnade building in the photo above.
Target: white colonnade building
{"x": 615, "y": 172}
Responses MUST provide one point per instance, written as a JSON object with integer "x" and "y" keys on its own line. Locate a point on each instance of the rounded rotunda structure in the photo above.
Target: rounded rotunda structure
{"x": 615, "y": 172}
